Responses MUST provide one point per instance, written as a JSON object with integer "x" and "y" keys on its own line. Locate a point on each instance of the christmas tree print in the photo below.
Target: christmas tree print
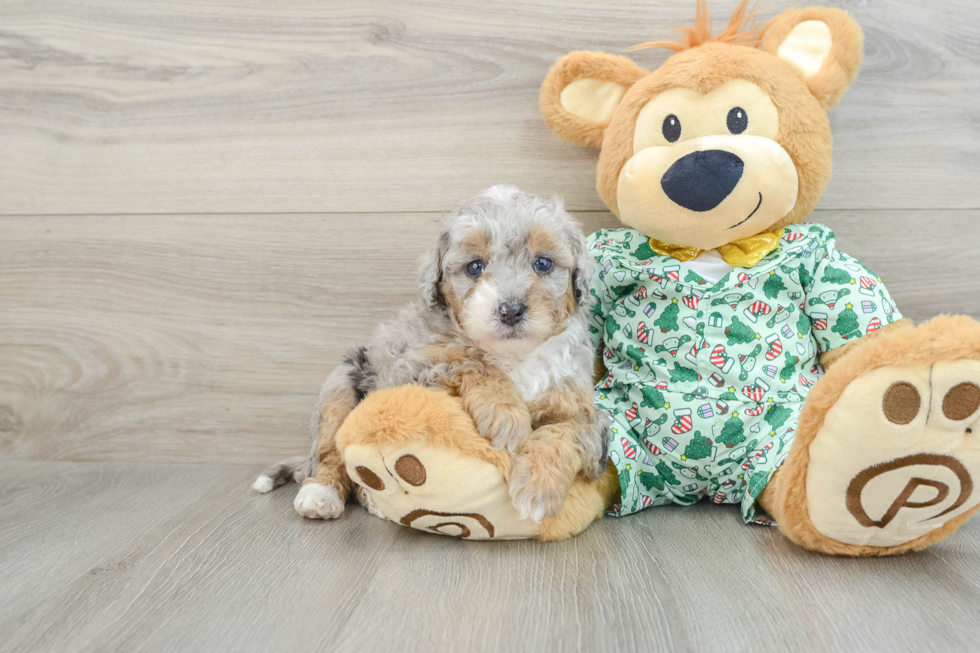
{"x": 773, "y": 285}
{"x": 699, "y": 447}
{"x": 776, "y": 416}
{"x": 733, "y": 432}
{"x": 805, "y": 279}
{"x": 612, "y": 326}
{"x": 667, "y": 473}
{"x": 834, "y": 275}
{"x": 729, "y": 395}
{"x": 668, "y": 319}
{"x": 847, "y": 323}
{"x": 650, "y": 480}
{"x": 802, "y": 325}
{"x": 653, "y": 398}
{"x": 696, "y": 278}
{"x": 680, "y": 374}
{"x": 644, "y": 251}
{"x": 757, "y": 482}
{"x": 624, "y": 479}
{"x": 596, "y": 309}
{"x": 789, "y": 369}
{"x": 635, "y": 353}
{"x": 738, "y": 332}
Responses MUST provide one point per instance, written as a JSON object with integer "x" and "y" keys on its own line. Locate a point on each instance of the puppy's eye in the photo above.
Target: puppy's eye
{"x": 543, "y": 264}
{"x": 672, "y": 128}
{"x": 738, "y": 120}
{"x": 474, "y": 268}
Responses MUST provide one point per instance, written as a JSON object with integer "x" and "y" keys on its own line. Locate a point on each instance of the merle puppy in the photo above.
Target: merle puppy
{"x": 499, "y": 321}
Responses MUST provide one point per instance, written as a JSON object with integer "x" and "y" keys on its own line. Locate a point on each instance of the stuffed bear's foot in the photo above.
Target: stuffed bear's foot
{"x": 887, "y": 456}
{"x": 417, "y": 457}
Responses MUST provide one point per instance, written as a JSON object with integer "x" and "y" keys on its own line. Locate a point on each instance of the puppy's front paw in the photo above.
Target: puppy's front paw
{"x": 365, "y": 499}
{"x": 535, "y": 491}
{"x": 505, "y": 425}
{"x": 316, "y": 501}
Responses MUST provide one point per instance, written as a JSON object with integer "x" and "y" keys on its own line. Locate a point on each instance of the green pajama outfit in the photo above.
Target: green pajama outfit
{"x": 706, "y": 382}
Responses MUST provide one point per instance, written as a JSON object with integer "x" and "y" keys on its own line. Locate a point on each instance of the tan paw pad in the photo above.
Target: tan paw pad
{"x": 898, "y": 455}
{"x": 437, "y": 490}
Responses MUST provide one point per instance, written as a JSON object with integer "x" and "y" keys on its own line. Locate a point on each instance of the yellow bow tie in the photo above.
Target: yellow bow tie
{"x": 743, "y": 253}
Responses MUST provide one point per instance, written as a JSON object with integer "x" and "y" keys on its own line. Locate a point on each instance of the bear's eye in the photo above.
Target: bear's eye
{"x": 474, "y": 268}
{"x": 672, "y": 128}
{"x": 738, "y": 120}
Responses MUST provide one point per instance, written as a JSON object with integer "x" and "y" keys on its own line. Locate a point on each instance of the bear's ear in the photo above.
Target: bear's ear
{"x": 581, "y": 93}
{"x": 825, "y": 45}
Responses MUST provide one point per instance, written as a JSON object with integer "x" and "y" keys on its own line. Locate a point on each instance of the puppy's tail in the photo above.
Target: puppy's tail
{"x": 294, "y": 469}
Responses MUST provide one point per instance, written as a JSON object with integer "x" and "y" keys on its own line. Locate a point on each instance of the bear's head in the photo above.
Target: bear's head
{"x": 727, "y": 139}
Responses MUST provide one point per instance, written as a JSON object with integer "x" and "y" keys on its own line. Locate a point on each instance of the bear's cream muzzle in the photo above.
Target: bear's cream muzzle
{"x": 709, "y": 191}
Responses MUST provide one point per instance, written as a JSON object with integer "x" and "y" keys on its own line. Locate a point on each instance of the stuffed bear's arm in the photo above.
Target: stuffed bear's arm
{"x": 828, "y": 358}
{"x": 845, "y": 302}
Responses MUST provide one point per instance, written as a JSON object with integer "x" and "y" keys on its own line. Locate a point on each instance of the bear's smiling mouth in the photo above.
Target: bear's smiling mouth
{"x": 750, "y": 214}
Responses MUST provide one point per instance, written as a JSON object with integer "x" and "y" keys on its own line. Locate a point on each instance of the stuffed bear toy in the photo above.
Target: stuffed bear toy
{"x": 716, "y": 313}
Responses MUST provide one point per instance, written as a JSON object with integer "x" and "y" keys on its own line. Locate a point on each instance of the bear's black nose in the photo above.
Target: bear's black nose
{"x": 700, "y": 181}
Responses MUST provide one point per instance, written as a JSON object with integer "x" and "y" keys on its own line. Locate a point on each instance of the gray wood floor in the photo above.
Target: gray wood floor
{"x": 202, "y": 205}
{"x": 109, "y": 556}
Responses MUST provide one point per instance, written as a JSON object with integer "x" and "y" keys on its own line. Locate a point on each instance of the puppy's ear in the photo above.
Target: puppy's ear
{"x": 582, "y": 272}
{"x": 430, "y": 274}
{"x": 581, "y": 93}
{"x": 825, "y": 45}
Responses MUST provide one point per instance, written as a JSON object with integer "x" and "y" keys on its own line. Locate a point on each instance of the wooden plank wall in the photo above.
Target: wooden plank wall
{"x": 203, "y": 204}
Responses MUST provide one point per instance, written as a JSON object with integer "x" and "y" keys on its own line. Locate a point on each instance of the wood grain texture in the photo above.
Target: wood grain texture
{"x": 202, "y": 205}
{"x": 107, "y": 557}
{"x": 206, "y": 338}
{"x": 341, "y": 106}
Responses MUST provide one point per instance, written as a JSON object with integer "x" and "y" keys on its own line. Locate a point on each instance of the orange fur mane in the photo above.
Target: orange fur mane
{"x": 741, "y": 30}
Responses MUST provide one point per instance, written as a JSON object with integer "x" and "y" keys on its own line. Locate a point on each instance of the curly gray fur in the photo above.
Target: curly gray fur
{"x": 394, "y": 355}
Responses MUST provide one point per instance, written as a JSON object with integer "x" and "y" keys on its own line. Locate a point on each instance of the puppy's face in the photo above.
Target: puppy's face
{"x": 513, "y": 270}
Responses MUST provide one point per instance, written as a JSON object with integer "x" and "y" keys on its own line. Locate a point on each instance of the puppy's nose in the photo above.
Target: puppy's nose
{"x": 700, "y": 181}
{"x": 511, "y": 313}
